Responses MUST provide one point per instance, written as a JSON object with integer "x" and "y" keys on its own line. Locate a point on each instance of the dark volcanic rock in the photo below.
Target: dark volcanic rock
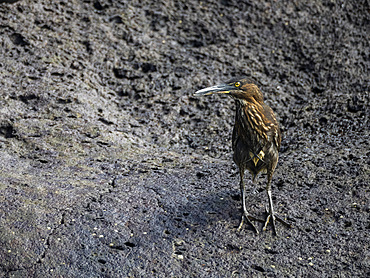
{"x": 111, "y": 168}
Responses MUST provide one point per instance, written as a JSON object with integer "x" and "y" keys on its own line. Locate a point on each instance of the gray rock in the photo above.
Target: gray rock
{"x": 111, "y": 168}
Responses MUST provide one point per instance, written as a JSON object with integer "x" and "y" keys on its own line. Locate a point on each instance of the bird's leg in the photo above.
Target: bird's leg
{"x": 245, "y": 214}
{"x": 271, "y": 213}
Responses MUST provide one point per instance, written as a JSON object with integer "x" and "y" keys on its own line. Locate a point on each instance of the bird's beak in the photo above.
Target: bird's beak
{"x": 218, "y": 89}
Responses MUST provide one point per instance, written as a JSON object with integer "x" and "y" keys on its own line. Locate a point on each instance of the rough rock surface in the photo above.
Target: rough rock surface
{"x": 111, "y": 168}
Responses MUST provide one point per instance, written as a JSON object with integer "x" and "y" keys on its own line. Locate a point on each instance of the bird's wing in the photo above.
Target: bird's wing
{"x": 274, "y": 130}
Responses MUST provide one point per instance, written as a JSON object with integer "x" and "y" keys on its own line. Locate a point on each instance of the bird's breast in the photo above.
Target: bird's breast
{"x": 251, "y": 124}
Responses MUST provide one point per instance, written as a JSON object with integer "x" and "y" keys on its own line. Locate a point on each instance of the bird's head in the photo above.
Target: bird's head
{"x": 241, "y": 88}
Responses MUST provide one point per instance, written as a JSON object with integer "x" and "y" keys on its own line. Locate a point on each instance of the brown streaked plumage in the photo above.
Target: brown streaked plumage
{"x": 256, "y": 139}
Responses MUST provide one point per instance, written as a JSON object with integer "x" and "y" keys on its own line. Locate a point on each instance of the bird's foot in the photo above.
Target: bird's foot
{"x": 271, "y": 216}
{"x": 249, "y": 220}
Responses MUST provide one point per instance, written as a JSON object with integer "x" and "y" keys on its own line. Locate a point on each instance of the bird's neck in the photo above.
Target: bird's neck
{"x": 251, "y": 113}
{"x": 249, "y": 103}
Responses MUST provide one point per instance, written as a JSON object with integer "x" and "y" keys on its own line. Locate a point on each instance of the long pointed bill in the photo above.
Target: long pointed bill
{"x": 218, "y": 89}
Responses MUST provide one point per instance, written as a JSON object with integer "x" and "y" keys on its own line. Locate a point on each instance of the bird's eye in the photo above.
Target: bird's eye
{"x": 237, "y": 84}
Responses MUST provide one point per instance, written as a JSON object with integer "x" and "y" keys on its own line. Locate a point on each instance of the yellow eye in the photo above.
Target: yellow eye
{"x": 237, "y": 84}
